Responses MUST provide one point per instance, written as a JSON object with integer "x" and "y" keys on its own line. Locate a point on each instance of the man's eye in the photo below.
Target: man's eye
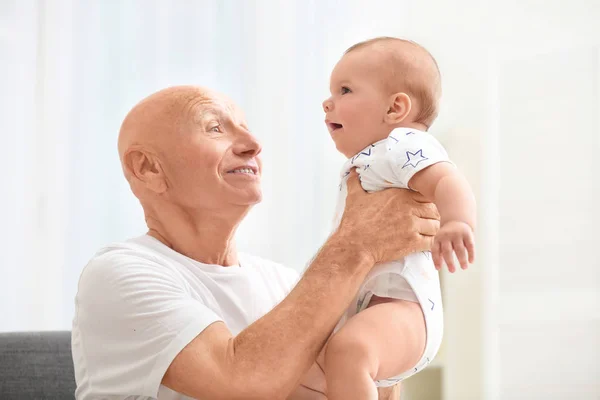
{"x": 216, "y": 128}
{"x": 345, "y": 90}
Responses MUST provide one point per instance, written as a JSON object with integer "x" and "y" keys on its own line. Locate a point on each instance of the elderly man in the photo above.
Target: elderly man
{"x": 177, "y": 313}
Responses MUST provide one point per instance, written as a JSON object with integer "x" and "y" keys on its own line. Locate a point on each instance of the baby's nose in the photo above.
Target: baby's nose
{"x": 327, "y": 105}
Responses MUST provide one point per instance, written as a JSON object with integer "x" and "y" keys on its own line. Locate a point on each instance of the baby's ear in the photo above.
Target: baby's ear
{"x": 400, "y": 106}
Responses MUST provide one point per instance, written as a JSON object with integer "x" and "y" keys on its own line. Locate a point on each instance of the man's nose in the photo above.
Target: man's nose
{"x": 247, "y": 144}
{"x": 328, "y": 105}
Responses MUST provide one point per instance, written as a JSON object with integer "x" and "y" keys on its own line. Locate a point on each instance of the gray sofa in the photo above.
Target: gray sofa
{"x": 36, "y": 365}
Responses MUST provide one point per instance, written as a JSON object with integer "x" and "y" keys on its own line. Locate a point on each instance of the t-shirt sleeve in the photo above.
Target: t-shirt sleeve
{"x": 133, "y": 316}
{"x": 412, "y": 152}
{"x": 291, "y": 278}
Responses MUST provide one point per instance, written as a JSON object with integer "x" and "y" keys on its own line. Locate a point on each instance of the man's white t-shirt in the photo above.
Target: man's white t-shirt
{"x": 139, "y": 303}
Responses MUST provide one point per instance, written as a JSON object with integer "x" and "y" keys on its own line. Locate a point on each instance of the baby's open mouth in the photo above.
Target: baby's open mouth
{"x": 333, "y": 126}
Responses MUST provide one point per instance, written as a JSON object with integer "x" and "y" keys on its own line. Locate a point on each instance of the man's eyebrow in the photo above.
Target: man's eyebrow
{"x": 215, "y": 112}
{"x": 205, "y": 113}
{"x": 210, "y": 112}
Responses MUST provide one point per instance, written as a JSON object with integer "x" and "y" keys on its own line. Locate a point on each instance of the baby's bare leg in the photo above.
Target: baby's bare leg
{"x": 380, "y": 342}
{"x": 312, "y": 385}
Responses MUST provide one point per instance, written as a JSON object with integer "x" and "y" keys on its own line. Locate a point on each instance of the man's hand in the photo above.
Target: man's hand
{"x": 387, "y": 225}
{"x": 455, "y": 237}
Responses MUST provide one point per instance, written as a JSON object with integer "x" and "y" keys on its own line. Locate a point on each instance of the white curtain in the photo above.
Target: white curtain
{"x": 72, "y": 69}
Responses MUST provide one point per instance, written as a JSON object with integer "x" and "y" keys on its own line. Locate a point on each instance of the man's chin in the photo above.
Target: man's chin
{"x": 244, "y": 194}
{"x": 250, "y": 199}
{"x": 255, "y": 201}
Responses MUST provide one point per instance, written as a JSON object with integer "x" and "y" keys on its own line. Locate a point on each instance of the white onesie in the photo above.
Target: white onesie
{"x": 391, "y": 163}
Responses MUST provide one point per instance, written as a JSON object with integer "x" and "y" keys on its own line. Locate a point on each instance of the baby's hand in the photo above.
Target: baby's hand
{"x": 453, "y": 237}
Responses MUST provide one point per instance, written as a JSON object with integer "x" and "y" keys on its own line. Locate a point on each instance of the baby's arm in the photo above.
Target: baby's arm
{"x": 443, "y": 184}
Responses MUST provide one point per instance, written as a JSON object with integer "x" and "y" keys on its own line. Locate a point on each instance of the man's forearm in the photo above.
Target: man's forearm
{"x": 281, "y": 346}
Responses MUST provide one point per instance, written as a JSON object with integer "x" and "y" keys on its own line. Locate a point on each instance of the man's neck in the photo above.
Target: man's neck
{"x": 207, "y": 237}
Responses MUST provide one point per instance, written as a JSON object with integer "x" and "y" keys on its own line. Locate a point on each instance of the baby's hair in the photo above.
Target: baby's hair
{"x": 427, "y": 92}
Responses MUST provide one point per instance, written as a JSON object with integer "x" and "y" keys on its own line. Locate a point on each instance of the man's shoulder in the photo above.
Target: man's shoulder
{"x": 131, "y": 250}
{"x": 125, "y": 257}
{"x": 125, "y": 247}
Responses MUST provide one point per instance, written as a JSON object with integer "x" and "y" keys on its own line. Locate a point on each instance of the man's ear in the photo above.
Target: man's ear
{"x": 400, "y": 106}
{"x": 146, "y": 169}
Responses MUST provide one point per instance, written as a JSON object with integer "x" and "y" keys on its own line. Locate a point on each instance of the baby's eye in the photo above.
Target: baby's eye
{"x": 345, "y": 89}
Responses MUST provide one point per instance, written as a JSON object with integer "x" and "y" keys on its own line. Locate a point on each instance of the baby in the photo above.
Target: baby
{"x": 384, "y": 97}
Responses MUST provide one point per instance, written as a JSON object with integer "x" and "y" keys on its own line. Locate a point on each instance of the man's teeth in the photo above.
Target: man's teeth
{"x": 243, "y": 171}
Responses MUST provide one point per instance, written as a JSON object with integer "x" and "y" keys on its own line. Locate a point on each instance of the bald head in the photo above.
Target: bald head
{"x": 410, "y": 68}
{"x": 161, "y": 115}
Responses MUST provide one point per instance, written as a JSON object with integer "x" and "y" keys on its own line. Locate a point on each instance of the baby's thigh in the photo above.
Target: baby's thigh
{"x": 312, "y": 385}
{"x": 390, "y": 331}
